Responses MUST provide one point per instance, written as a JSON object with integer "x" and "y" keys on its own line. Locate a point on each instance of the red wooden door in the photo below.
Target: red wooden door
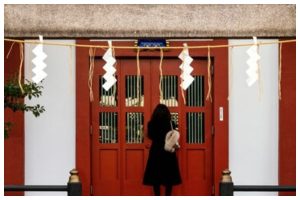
{"x": 194, "y": 118}
{"x": 119, "y": 116}
{"x": 119, "y": 121}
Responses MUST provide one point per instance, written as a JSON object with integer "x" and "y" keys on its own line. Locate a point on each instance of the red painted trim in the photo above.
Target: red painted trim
{"x": 83, "y": 145}
{"x": 287, "y": 118}
{"x": 14, "y": 145}
{"x": 220, "y": 94}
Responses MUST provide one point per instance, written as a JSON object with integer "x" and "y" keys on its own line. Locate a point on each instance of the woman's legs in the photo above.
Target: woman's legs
{"x": 168, "y": 190}
{"x": 156, "y": 189}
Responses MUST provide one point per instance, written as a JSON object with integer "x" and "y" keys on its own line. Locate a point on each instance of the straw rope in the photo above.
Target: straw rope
{"x": 208, "y": 96}
{"x": 161, "y": 76}
{"x": 136, "y": 47}
{"x": 115, "y": 85}
{"x": 20, "y": 67}
{"x": 92, "y": 52}
{"x": 11, "y": 46}
{"x": 138, "y": 70}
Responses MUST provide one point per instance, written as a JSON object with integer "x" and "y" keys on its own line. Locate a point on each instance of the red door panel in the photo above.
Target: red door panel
{"x": 106, "y": 152}
{"x": 135, "y": 114}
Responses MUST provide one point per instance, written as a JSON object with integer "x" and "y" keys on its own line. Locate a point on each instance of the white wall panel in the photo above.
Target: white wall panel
{"x": 50, "y": 138}
{"x": 253, "y": 119}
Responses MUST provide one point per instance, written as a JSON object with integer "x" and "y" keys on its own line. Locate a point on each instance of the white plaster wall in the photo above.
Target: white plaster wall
{"x": 50, "y": 138}
{"x": 253, "y": 120}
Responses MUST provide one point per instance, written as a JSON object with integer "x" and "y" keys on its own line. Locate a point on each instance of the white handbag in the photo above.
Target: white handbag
{"x": 172, "y": 140}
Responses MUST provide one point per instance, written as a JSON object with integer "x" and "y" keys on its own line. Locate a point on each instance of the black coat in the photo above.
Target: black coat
{"x": 162, "y": 166}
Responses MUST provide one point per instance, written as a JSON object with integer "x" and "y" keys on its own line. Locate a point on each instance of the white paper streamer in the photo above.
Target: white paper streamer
{"x": 109, "y": 76}
{"x": 252, "y": 71}
{"x": 186, "y": 68}
{"x": 39, "y": 63}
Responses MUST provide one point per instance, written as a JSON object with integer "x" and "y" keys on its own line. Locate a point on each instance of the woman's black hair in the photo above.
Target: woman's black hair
{"x": 159, "y": 123}
{"x": 161, "y": 113}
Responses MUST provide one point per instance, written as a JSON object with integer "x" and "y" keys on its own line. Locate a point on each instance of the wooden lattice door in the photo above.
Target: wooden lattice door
{"x": 119, "y": 120}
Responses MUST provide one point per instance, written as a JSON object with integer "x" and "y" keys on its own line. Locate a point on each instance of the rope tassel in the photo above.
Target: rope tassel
{"x": 91, "y": 72}
{"x": 20, "y": 67}
{"x": 208, "y": 96}
{"x": 138, "y": 71}
{"x": 161, "y": 76}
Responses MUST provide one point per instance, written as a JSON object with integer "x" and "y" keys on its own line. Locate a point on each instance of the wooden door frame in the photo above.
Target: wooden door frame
{"x": 219, "y": 94}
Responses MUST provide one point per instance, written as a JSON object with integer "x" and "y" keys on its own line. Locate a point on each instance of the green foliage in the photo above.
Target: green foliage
{"x": 14, "y": 99}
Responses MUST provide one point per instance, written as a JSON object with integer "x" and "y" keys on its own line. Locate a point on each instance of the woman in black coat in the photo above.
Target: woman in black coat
{"x": 162, "y": 166}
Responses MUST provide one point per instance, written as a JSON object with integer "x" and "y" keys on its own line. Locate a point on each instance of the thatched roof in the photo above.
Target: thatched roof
{"x": 130, "y": 21}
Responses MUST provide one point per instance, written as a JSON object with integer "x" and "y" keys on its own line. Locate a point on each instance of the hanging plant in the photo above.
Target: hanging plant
{"x": 14, "y": 99}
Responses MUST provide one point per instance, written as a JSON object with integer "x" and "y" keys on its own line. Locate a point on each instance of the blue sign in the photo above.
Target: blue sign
{"x": 152, "y": 43}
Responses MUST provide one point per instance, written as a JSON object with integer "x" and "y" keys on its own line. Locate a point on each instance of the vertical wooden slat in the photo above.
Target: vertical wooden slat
{"x": 101, "y": 118}
{"x": 130, "y": 91}
{"x": 126, "y": 91}
{"x": 163, "y": 89}
{"x": 135, "y": 127}
{"x": 127, "y": 127}
{"x": 189, "y": 129}
{"x": 131, "y": 122}
{"x": 104, "y": 125}
{"x": 200, "y": 128}
{"x": 107, "y": 123}
{"x": 194, "y": 92}
{"x": 201, "y": 94}
{"x": 169, "y": 90}
{"x": 173, "y": 90}
{"x": 192, "y": 126}
{"x": 197, "y": 90}
{"x": 128, "y": 137}
{"x": 140, "y": 127}
{"x": 196, "y": 127}
{"x": 135, "y": 97}
{"x": 130, "y": 125}
{"x": 166, "y": 90}
{"x": 100, "y": 128}
{"x": 104, "y": 130}
{"x": 111, "y": 127}
{"x": 114, "y": 128}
